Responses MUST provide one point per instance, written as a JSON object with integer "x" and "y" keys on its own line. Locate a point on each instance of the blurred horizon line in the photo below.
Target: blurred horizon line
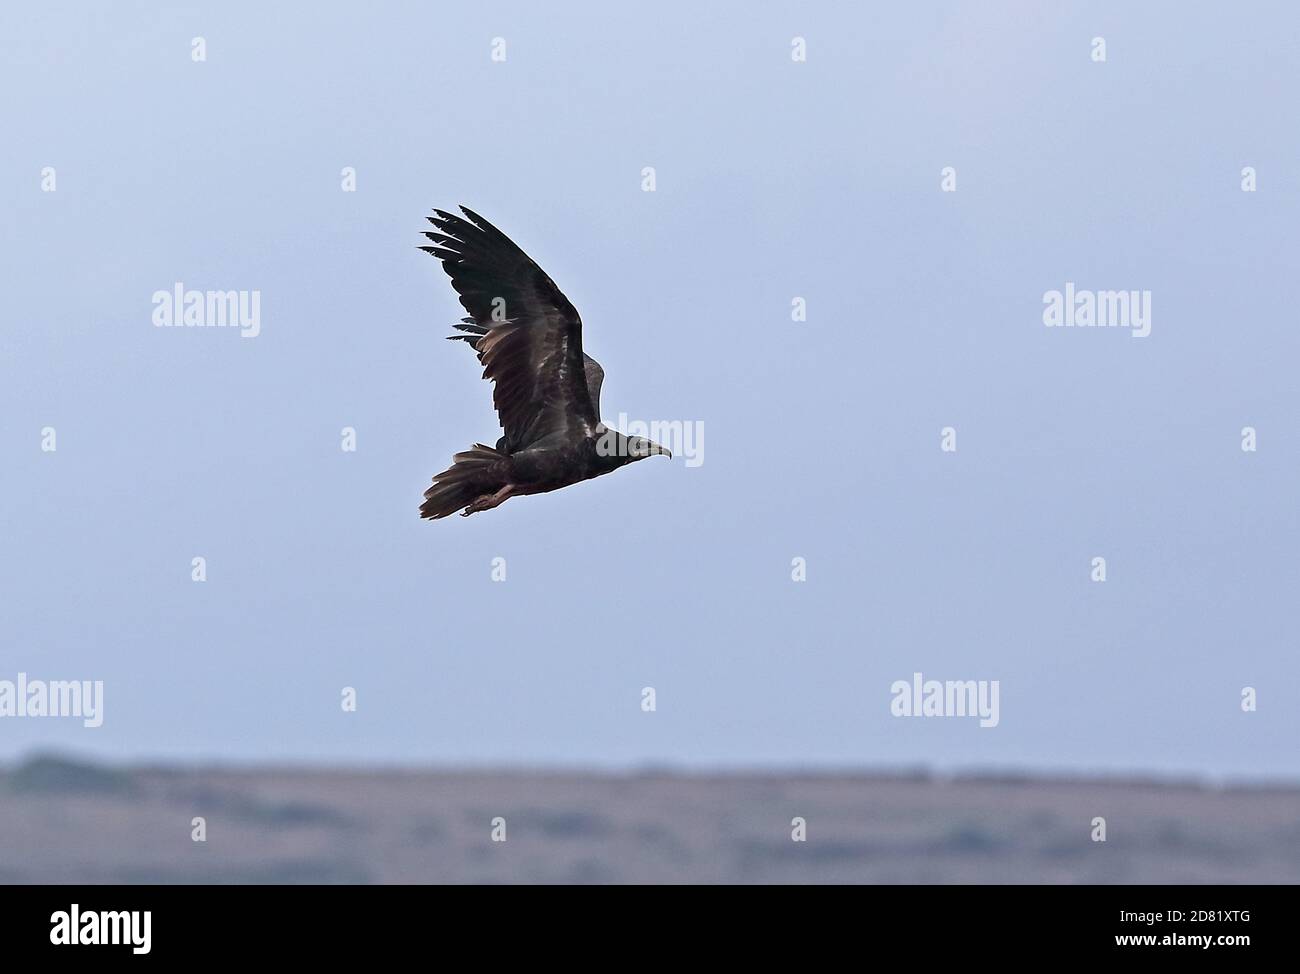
{"x": 986, "y": 774}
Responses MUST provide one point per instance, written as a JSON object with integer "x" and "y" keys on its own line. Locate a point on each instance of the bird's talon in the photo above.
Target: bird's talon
{"x": 484, "y": 502}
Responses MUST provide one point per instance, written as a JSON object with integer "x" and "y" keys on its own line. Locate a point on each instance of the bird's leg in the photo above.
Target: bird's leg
{"x": 488, "y": 501}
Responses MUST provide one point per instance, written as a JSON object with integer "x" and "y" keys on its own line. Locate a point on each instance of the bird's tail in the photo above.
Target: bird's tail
{"x": 472, "y": 473}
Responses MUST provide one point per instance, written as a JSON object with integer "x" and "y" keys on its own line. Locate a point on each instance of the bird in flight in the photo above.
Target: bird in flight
{"x": 545, "y": 388}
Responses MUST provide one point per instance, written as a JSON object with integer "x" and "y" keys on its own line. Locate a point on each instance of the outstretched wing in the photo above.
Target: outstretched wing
{"x": 532, "y": 346}
{"x": 473, "y": 331}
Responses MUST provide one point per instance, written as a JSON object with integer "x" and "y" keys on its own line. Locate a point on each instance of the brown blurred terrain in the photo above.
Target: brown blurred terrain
{"x": 65, "y": 821}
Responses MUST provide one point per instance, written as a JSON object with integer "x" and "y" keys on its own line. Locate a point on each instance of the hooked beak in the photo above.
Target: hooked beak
{"x": 663, "y": 450}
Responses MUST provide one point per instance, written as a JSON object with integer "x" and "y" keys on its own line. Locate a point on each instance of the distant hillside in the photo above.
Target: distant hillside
{"x": 67, "y": 821}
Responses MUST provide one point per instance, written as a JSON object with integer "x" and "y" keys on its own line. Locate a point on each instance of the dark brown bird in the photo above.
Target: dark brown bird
{"x": 546, "y": 390}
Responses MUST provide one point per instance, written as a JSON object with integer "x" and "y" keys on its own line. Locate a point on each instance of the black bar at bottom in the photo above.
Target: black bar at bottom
{"x": 206, "y": 923}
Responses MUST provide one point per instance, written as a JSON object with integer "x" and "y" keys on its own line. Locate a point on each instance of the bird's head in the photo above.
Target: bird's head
{"x": 618, "y": 449}
{"x": 640, "y": 447}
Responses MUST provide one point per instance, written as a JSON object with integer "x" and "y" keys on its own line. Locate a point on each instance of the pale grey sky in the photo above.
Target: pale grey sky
{"x": 775, "y": 179}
